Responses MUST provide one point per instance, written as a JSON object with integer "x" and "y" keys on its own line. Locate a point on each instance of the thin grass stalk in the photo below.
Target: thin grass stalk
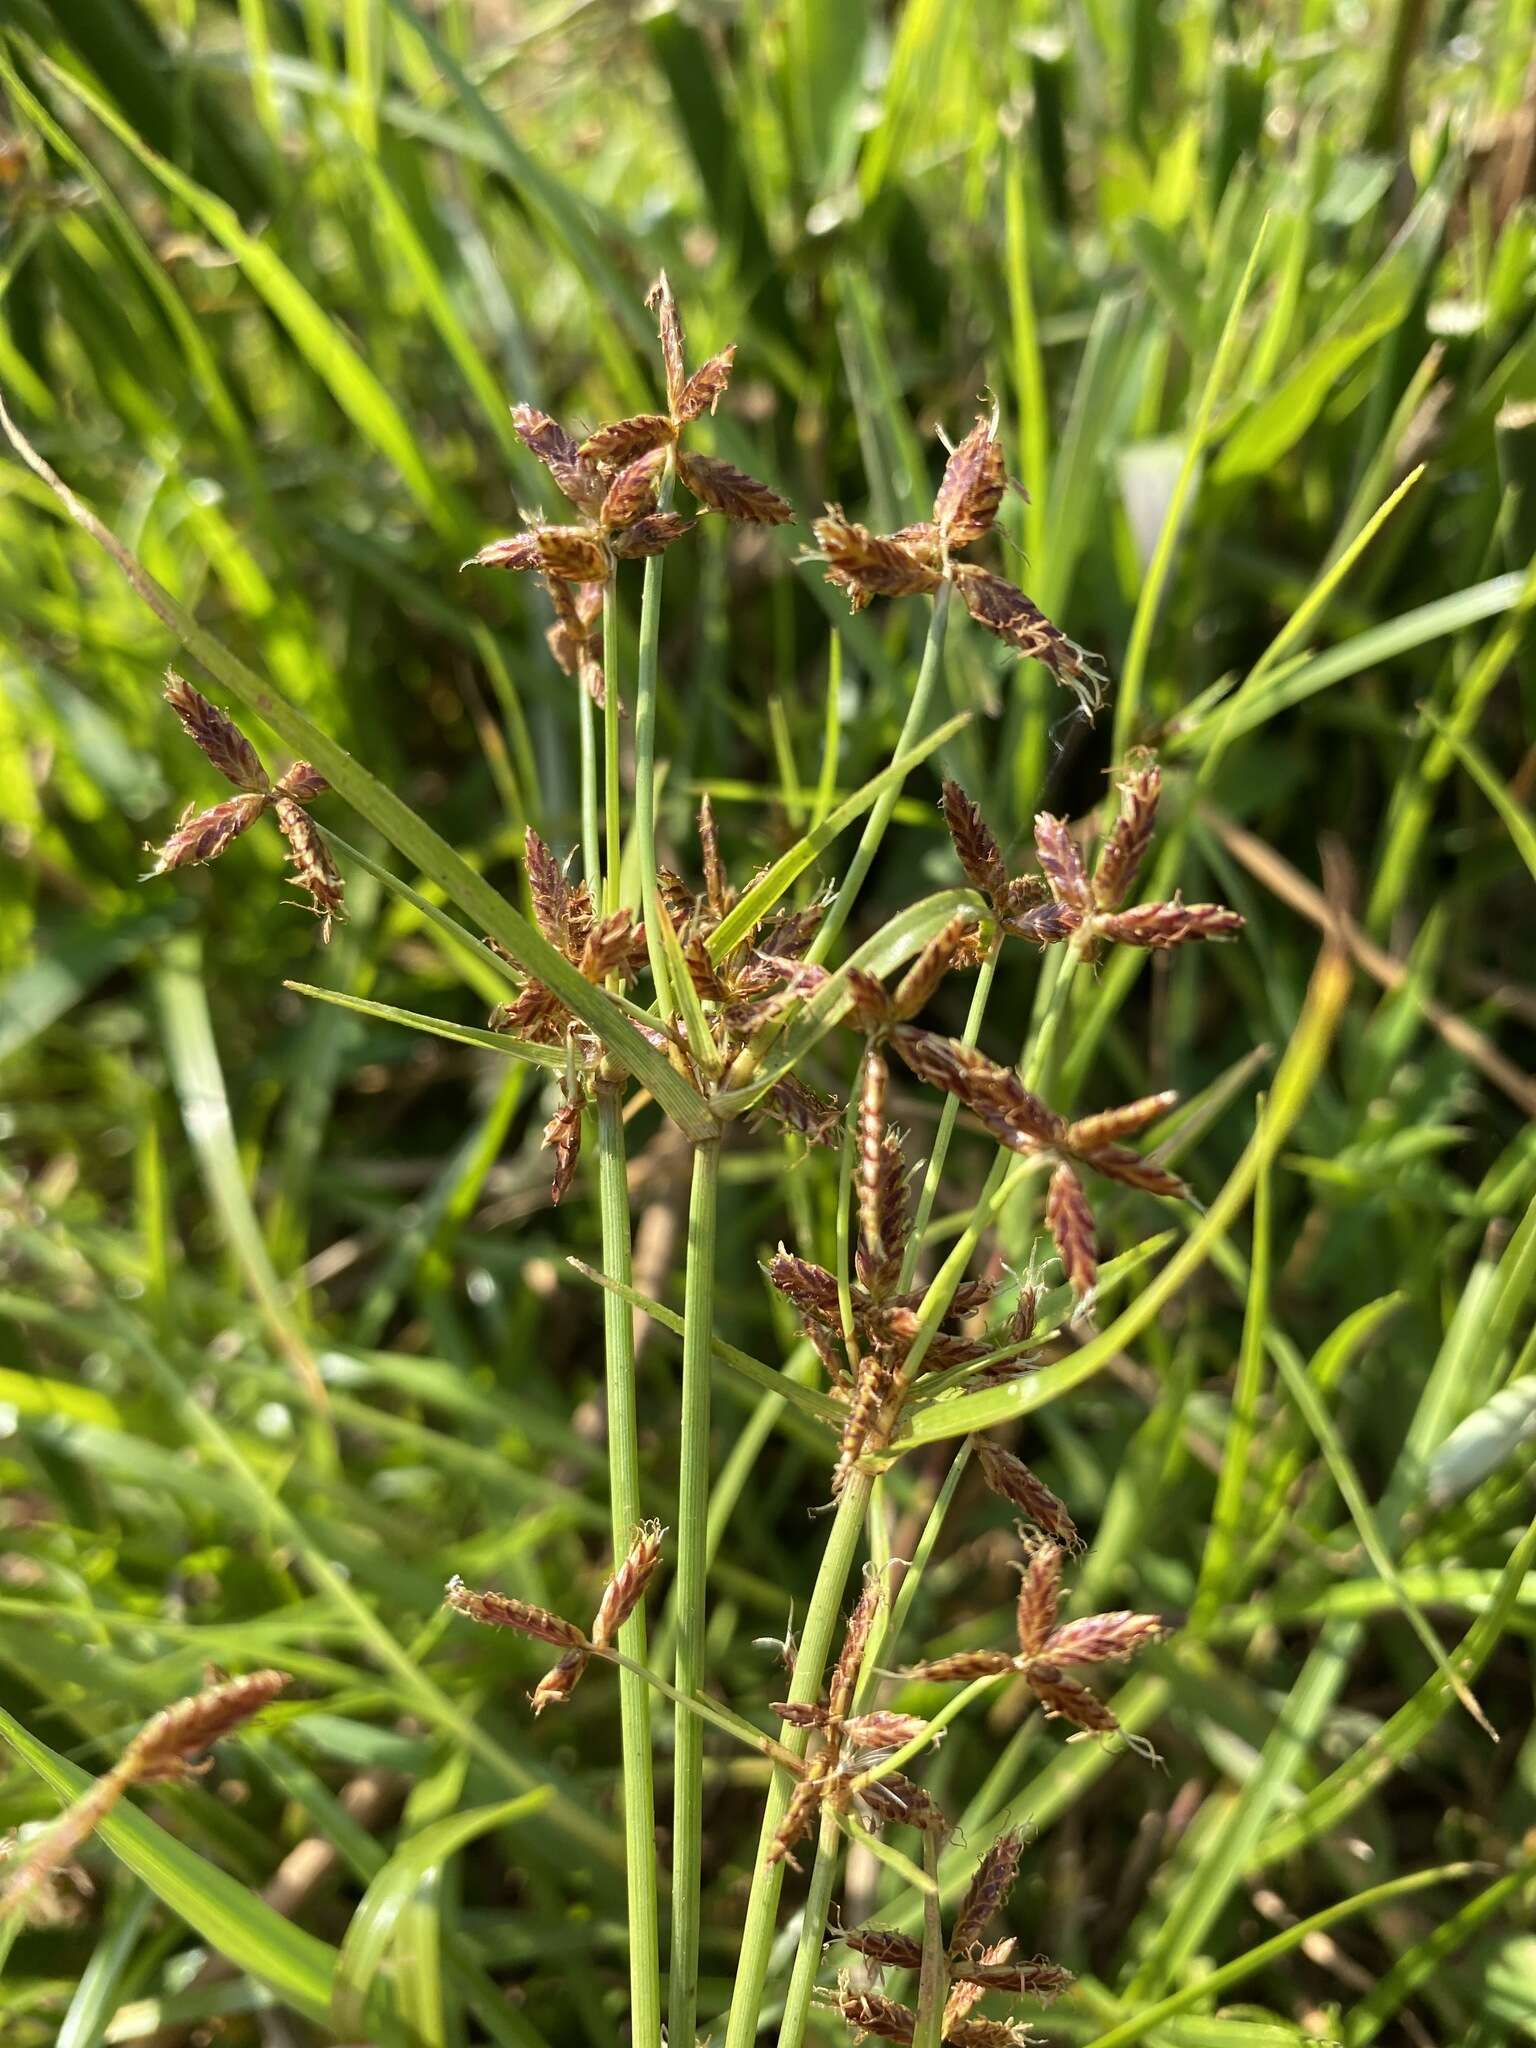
{"x": 813, "y": 1925}
{"x": 931, "y": 1983}
{"x": 636, "y": 1792}
{"x": 613, "y": 816}
{"x": 822, "y": 1620}
{"x": 874, "y": 827}
{"x": 643, "y": 824}
{"x": 692, "y": 1574}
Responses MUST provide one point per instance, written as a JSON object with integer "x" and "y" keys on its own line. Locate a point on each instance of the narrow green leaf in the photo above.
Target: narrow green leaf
{"x": 436, "y": 1027}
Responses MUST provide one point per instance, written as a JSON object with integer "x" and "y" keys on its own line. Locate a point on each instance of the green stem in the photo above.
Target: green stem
{"x": 821, "y": 1620}
{"x": 591, "y": 836}
{"x": 813, "y": 1923}
{"x": 704, "y": 1709}
{"x": 692, "y": 1571}
{"x": 612, "y": 704}
{"x": 931, "y": 1984}
{"x": 644, "y": 823}
{"x": 874, "y": 826}
{"x": 636, "y": 1789}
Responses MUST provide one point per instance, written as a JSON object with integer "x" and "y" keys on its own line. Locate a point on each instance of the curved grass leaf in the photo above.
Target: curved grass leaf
{"x": 436, "y": 1027}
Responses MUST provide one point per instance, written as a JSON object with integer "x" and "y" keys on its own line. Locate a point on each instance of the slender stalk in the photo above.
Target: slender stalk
{"x": 591, "y": 836}
{"x": 644, "y": 822}
{"x": 692, "y": 1572}
{"x": 933, "y": 1173}
{"x": 637, "y": 1792}
{"x": 704, "y": 1709}
{"x": 821, "y": 1620}
{"x": 874, "y": 825}
{"x": 813, "y": 1923}
{"x": 931, "y": 1984}
{"x": 612, "y": 704}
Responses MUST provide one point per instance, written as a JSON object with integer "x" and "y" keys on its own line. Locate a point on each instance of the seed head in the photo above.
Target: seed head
{"x": 167, "y": 1746}
{"x": 871, "y": 2013}
{"x": 730, "y": 491}
{"x": 1103, "y": 1638}
{"x": 313, "y": 867}
{"x": 1012, "y": 1479}
{"x": 622, "y": 441}
{"x": 559, "y": 1682}
{"x": 1160, "y": 926}
{"x": 975, "y": 844}
{"x": 1039, "y": 1598}
{"x": 501, "y": 1610}
{"x": 885, "y": 1947}
{"x": 1126, "y": 847}
{"x": 989, "y": 1891}
{"x": 625, "y": 1590}
{"x": 932, "y": 964}
{"x": 217, "y": 737}
{"x": 973, "y": 486}
{"x": 1061, "y": 862}
{"x": 203, "y": 835}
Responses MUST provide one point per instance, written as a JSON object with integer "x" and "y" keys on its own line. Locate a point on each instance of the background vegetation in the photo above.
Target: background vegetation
{"x": 271, "y": 275}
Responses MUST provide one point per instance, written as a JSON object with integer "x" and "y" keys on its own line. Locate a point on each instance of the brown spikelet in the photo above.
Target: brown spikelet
{"x": 730, "y": 491}
{"x": 548, "y": 889}
{"x": 581, "y": 481}
{"x": 660, "y": 301}
{"x": 1011, "y": 1478}
{"x": 706, "y": 387}
{"x": 975, "y": 844}
{"x": 975, "y": 2031}
{"x": 973, "y": 486}
{"x": 931, "y": 965}
{"x": 797, "y": 1106}
{"x": 845, "y": 1672}
{"x": 1021, "y": 1324}
{"x": 1039, "y": 1598}
{"x": 1067, "y": 1700}
{"x": 1103, "y": 1638}
{"x": 811, "y": 1288}
{"x": 867, "y": 563}
{"x": 613, "y": 946}
{"x": 303, "y": 783}
{"x": 1038, "y": 1978}
{"x": 923, "y": 540}
{"x": 562, "y": 1136}
{"x": 795, "y": 1715}
{"x": 514, "y": 551}
{"x": 1046, "y": 924}
{"x": 992, "y": 1092}
{"x": 1108, "y": 1126}
{"x": 167, "y": 1745}
{"x": 626, "y": 1589}
{"x": 963, "y": 1995}
{"x": 989, "y": 1891}
{"x": 314, "y": 869}
{"x": 1117, "y": 1162}
{"x": 869, "y": 1007}
{"x": 871, "y": 1178}
{"x": 1162, "y": 925}
{"x": 559, "y": 1682}
{"x": 861, "y": 1425}
{"x": 1130, "y": 836}
{"x": 1003, "y": 609}
{"x": 632, "y": 494}
{"x": 651, "y": 535}
{"x": 1061, "y": 862}
{"x": 1069, "y": 1219}
{"x": 215, "y": 735}
{"x": 796, "y": 1824}
{"x": 897, "y": 1801}
{"x": 501, "y": 1610}
{"x": 883, "y": 1729}
{"x": 868, "y": 2012}
{"x": 716, "y": 888}
{"x": 203, "y": 835}
{"x": 621, "y": 441}
{"x": 963, "y": 1666}
{"x": 576, "y": 554}
{"x": 885, "y": 1947}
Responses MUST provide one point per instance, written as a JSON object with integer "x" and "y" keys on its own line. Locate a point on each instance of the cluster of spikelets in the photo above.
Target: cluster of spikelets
{"x": 165, "y": 1749}
{"x": 203, "y": 835}
{"x": 973, "y": 1966}
{"x": 622, "y": 1594}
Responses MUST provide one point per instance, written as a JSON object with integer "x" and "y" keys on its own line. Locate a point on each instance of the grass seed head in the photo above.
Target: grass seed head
{"x": 215, "y": 735}
{"x": 626, "y": 1589}
{"x": 989, "y": 1891}
{"x": 502, "y": 1610}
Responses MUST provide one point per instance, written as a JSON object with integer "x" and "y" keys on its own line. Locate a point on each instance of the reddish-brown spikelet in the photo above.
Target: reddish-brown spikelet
{"x": 548, "y": 889}
{"x": 303, "y": 782}
{"x": 963, "y": 1994}
{"x": 717, "y": 889}
{"x": 872, "y": 1093}
{"x": 897, "y": 1801}
{"x": 1160, "y": 926}
{"x": 871, "y": 2013}
{"x": 562, "y": 1136}
{"x": 660, "y": 301}
{"x": 1103, "y": 1638}
{"x": 1060, "y": 861}
{"x": 794, "y": 1714}
{"x": 314, "y": 870}
{"x": 931, "y": 965}
{"x": 1069, "y": 1219}
{"x": 1115, "y": 1162}
{"x": 651, "y": 535}
{"x": 559, "y": 1682}
{"x": 883, "y": 1729}
{"x": 706, "y": 387}
{"x": 870, "y": 564}
{"x": 730, "y": 491}
{"x": 632, "y": 494}
{"x": 1108, "y": 1126}
{"x": 1012, "y": 1479}
{"x": 581, "y": 481}
{"x": 879, "y": 1257}
{"x": 203, "y": 835}
{"x": 885, "y": 1947}
{"x": 992, "y": 1092}
{"x": 1021, "y": 1324}
{"x": 795, "y": 1104}
{"x": 1039, "y": 1598}
{"x": 215, "y": 735}
{"x": 963, "y": 1666}
{"x": 811, "y": 1288}
{"x": 1003, "y": 609}
{"x": 626, "y": 1589}
{"x": 621, "y": 441}
{"x": 989, "y": 1890}
{"x": 796, "y": 1824}
{"x": 613, "y": 946}
{"x": 1065, "y": 1699}
{"x": 973, "y": 486}
{"x": 1130, "y": 836}
{"x": 576, "y": 554}
{"x": 501, "y": 1610}
{"x": 1038, "y": 1978}
{"x": 514, "y": 551}
{"x": 977, "y": 2032}
{"x": 869, "y": 1007}
{"x": 845, "y": 1672}
{"x": 975, "y": 844}
{"x": 166, "y": 1746}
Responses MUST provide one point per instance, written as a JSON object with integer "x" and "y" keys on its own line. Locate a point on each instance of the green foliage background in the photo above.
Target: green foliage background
{"x": 269, "y": 278}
